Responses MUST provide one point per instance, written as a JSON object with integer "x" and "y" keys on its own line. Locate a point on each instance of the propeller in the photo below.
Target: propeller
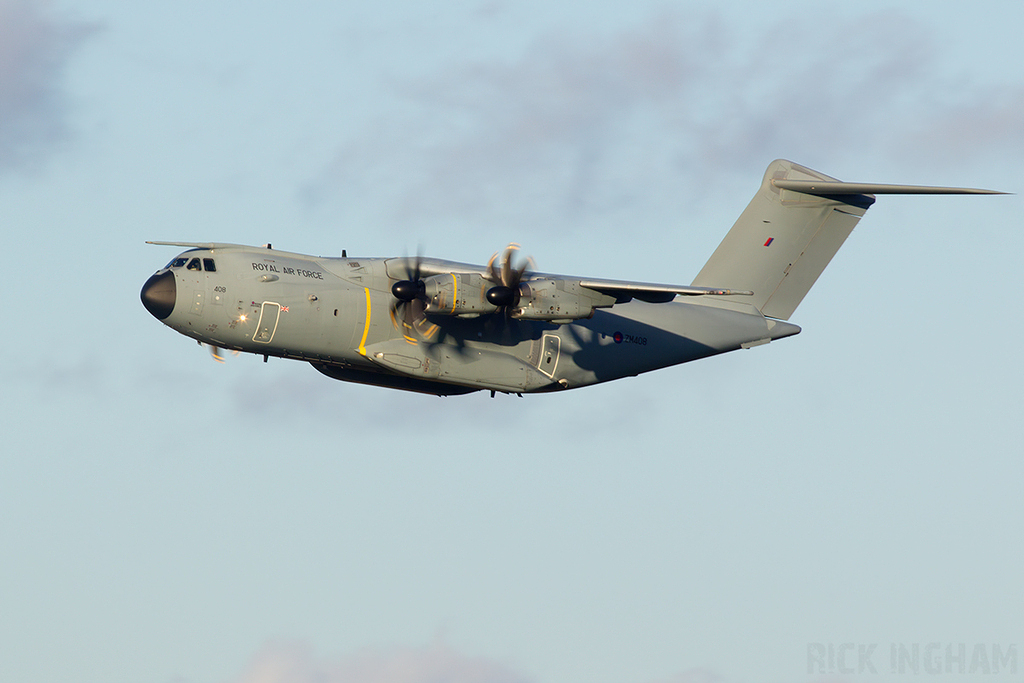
{"x": 217, "y": 352}
{"x": 506, "y": 293}
{"x": 408, "y": 308}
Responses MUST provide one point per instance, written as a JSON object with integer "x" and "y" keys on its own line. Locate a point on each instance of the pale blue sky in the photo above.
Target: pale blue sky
{"x": 164, "y": 518}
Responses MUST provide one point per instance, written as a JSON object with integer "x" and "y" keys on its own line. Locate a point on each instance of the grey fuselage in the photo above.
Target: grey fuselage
{"x": 338, "y": 314}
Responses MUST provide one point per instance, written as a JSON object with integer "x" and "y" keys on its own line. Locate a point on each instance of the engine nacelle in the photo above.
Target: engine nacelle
{"x": 461, "y": 294}
{"x": 558, "y": 300}
{"x": 551, "y": 300}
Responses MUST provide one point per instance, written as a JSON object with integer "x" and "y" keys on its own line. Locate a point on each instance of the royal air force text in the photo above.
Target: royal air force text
{"x": 285, "y": 270}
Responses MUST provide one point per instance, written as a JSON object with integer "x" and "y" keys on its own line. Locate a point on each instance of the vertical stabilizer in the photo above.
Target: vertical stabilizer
{"x": 790, "y": 231}
{"x": 783, "y": 240}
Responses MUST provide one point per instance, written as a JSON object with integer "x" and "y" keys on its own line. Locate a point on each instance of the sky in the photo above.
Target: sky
{"x": 755, "y": 517}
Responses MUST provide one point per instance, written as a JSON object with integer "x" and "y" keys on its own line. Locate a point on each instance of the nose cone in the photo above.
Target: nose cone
{"x": 159, "y": 293}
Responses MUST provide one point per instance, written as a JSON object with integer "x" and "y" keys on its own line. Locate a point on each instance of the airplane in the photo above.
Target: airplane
{"x": 439, "y": 327}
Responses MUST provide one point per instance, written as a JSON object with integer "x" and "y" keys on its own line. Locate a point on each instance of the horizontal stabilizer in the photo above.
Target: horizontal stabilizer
{"x": 823, "y": 189}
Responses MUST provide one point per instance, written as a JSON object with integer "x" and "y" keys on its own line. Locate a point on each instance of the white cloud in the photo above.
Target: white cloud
{"x": 580, "y": 126}
{"x": 297, "y": 663}
{"x": 694, "y": 676}
{"x": 34, "y": 50}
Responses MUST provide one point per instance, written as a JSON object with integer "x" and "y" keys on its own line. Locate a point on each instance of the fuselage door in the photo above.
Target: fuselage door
{"x": 267, "y": 326}
{"x": 550, "y": 345}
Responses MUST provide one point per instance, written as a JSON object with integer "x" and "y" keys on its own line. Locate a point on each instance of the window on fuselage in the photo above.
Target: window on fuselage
{"x": 178, "y": 262}
{"x": 194, "y": 264}
{"x": 209, "y": 266}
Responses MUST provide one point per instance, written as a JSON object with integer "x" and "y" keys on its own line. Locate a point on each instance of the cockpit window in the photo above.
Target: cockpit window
{"x": 178, "y": 262}
{"x": 209, "y": 265}
{"x": 194, "y": 264}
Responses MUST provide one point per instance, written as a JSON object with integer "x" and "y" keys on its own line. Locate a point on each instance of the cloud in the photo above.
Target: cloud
{"x": 582, "y": 126}
{"x": 989, "y": 121}
{"x": 694, "y": 676}
{"x": 482, "y": 132}
{"x": 297, "y": 663}
{"x": 35, "y": 48}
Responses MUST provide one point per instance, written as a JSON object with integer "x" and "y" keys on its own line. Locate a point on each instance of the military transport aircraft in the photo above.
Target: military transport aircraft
{"x": 445, "y": 328}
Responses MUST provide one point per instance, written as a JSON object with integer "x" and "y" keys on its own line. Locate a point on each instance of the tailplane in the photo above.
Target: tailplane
{"x": 790, "y": 231}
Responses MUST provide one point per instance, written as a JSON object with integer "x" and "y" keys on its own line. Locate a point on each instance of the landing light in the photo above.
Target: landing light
{"x": 241, "y": 318}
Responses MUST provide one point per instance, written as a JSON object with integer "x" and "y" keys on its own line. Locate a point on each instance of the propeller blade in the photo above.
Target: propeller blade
{"x": 506, "y": 267}
{"x": 522, "y": 270}
{"x": 408, "y": 309}
{"x": 506, "y": 292}
{"x": 217, "y": 353}
{"x": 495, "y": 276}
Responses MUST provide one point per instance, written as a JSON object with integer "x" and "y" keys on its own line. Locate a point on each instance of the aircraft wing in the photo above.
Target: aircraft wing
{"x": 624, "y": 290}
{"x": 621, "y": 290}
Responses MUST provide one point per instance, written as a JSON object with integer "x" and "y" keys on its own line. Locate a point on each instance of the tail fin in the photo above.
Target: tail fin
{"x": 790, "y": 231}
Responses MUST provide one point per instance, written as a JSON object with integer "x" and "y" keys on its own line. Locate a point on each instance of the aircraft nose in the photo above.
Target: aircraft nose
{"x": 159, "y": 293}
